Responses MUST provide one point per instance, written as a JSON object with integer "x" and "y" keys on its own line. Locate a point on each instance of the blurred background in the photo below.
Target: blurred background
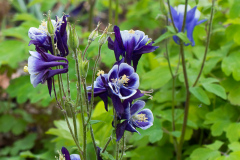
{"x": 32, "y": 127}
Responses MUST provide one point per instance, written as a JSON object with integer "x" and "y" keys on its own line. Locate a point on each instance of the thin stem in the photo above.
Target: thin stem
{"x": 93, "y": 140}
{"x": 74, "y": 121}
{"x": 86, "y": 51}
{"x": 68, "y": 86}
{"x": 207, "y": 45}
{"x": 93, "y": 78}
{"x": 61, "y": 81}
{"x": 169, "y": 8}
{"x": 81, "y": 105}
{"x": 116, "y": 12}
{"x": 185, "y": 16}
{"x": 105, "y": 147}
{"x": 110, "y": 12}
{"x": 179, "y": 153}
{"x": 115, "y": 125}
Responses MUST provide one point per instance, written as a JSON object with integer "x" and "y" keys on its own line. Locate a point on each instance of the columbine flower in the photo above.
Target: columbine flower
{"x": 131, "y": 45}
{"x": 39, "y": 67}
{"x": 191, "y": 21}
{"x": 42, "y": 39}
{"x": 120, "y": 83}
{"x": 67, "y": 156}
{"x": 134, "y": 118}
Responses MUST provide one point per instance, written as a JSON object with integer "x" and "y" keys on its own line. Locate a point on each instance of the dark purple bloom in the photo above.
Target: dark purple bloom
{"x": 68, "y": 156}
{"x": 131, "y": 45}
{"x": 40, "y": 68}
{"x": 191, "y": 21}
{"x": 135, "y": 117}
{"x": 120, "y": 83}
{"x": 99, "y": 154}
{"x": 42, "y": 39}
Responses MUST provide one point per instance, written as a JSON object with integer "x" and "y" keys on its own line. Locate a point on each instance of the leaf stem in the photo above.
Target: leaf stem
{"x": 105, "y": 147}
{"x": 207, "y": 45}
{"x": 169, "y": 8}
{"x": 116, "y": 12}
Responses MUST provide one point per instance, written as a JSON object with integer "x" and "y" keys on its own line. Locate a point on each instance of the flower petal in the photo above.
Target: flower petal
{"x": 126, "y": 93}
{"x": 138, "y": 105}
{"x": 117, "y": 104}
{"x": 120, "y": 129}
{"x": 113, "y": 73}
{"x": 133, "y": 82}
{"x": 37, "y": 34}
{"x": 126, "y": 69}
{"x": 149, "y": 121}
{"x": 65, "y": 153}
{"x": 75, "y": 157}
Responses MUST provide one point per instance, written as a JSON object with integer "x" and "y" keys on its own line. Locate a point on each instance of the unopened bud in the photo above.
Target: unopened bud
{"x": 73, "y": 40}
{"x": 49, "y": 24}
{"x": 83, "y": 67}
{"x": 94, "y": 34}
{"x": 104, "y": 36}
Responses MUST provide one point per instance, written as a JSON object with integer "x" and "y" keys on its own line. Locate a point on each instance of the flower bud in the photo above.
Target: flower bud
{"x": 83, "y": 67}
{"x": 73, "y": 40}
{"x": 49, "y": 24}
{"x": 94, "y": 34}
{"x": 104, "y": 36}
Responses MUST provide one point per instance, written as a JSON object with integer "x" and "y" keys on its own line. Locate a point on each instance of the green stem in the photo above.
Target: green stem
{"x": 86, "y": 51}
{"x": 169, "y": 8}
{"x": 116, "y": 12}
{"x": 68, "y": 86}
{"x": 105, "y": 147}
{"x": 207, "y": 45}
{"x": 93, "y": 140}
{"x": 74, "y": 121}
{"x": 110, "y": 12}
{"x": 81, "y": 105}
{"x": 186, "y": 109}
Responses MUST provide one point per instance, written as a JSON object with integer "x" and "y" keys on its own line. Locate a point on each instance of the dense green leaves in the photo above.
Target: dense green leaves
{"x": 200, "y": 94}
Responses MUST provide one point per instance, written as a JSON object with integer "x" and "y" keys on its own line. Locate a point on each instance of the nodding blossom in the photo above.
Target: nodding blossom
{"x": 131, "y": 45}
{"x": 120, "y": 83}
{"x": 191, "y": 21}
{"x": 40, "y": 68}
{"x": 134, "y": 117}
{"x": 42, "y": 39}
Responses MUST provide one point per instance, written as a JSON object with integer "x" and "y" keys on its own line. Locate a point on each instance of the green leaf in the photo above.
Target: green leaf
{"x": 183, "y": 37}
{"x": 216, "y": 89}
{"x": 163, "y": 36}
{"x": 6, "y": 123}
{"x": 107, "y": 156}
{"x": 200, "y": 94}
{"x": 234, "y": 146}
{"x": 215, "y": 146}
{"x": 204, "y": 154}
{"x": 209, "y": 80}
{"x": 233, "y": 132}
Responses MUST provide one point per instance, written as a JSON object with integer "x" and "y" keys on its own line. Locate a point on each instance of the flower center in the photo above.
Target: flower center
{"x": 141, "y": 117}
{"x": 100, "y": 72}
{"x": 121, "y": 81}
{"x": 131, "y": 31}
{"x": 43, "y": 26}
{"x": 25, "y": 69}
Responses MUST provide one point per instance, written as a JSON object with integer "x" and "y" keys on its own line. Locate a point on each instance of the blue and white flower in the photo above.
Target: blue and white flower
{"x": 135, "y": 118}
{"x": 192, "y": 18}
{"x": 67, "y": 156}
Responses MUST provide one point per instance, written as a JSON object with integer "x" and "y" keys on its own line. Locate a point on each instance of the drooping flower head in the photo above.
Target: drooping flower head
{"x": 42, "y": 39}
{"x": 191, "y": 21}
{"x": 40, "y": 68}
{"x": 135, "y": 117}
{"x": 120, "y": 83}
{"x": 67, "y": 156}
{"x": 130, "y": 45}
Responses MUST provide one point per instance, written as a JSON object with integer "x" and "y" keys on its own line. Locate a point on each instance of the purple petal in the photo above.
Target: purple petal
{"x": 135, "y": 60}
{"x": 190, "y": 29}
{"x": 75, "y": 157}
{"x": 138, "y": 105}
{"x": 99, "y": 154}
{"x": 201, "y": 21}
{"x": 37, "y": 78}
{"x": 110, "y": 43}
{"x": 133, "y": 82}
{"x": 104, "y": 97}
{"x": 113, "y": 73}
{"x": 130, "y": 128}
{"x": 146, "y": 49}
{"x": 125, "y": 69}
{"x": 118, "y": 37}
{"x": 117, "y": 104}
{"x": 57, "y": 71}
{"x": 149, "y": 121}
{"x": 129, "y": 51}
{"x": 126, "y": 114}
{"x": 137, "y": 95}
{"x": 36, "y": 34}
{"x": 126, "y": 93}
{"x": 49, "y": 83}
{"x": 191, "y": 15}
{"x": 65, "y": 153}
{"x": 120, "y": 129}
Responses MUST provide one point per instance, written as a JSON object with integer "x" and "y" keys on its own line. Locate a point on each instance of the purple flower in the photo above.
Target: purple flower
{"x": 40, "y": 68}
{"x": 131, "y": 45}
{"x": 120, "y": 83}
{"x": 68, "y": 156}
{"x": 99, "y": 154}
{"x": 42, "y": 39}
{"x": 191, "y": 21}
{"x": 135, "y": 117}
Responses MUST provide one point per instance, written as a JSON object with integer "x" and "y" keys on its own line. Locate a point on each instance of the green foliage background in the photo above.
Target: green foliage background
{"x": 31, "y": 127}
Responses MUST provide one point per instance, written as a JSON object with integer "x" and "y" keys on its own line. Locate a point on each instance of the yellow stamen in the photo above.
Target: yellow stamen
{"x": 100, "y": 72}
{"x": 131, "y": 31}
{"x": 125, "y": 78}
{"x": 25, "y": 69}
{"x": 141, "y": 117}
